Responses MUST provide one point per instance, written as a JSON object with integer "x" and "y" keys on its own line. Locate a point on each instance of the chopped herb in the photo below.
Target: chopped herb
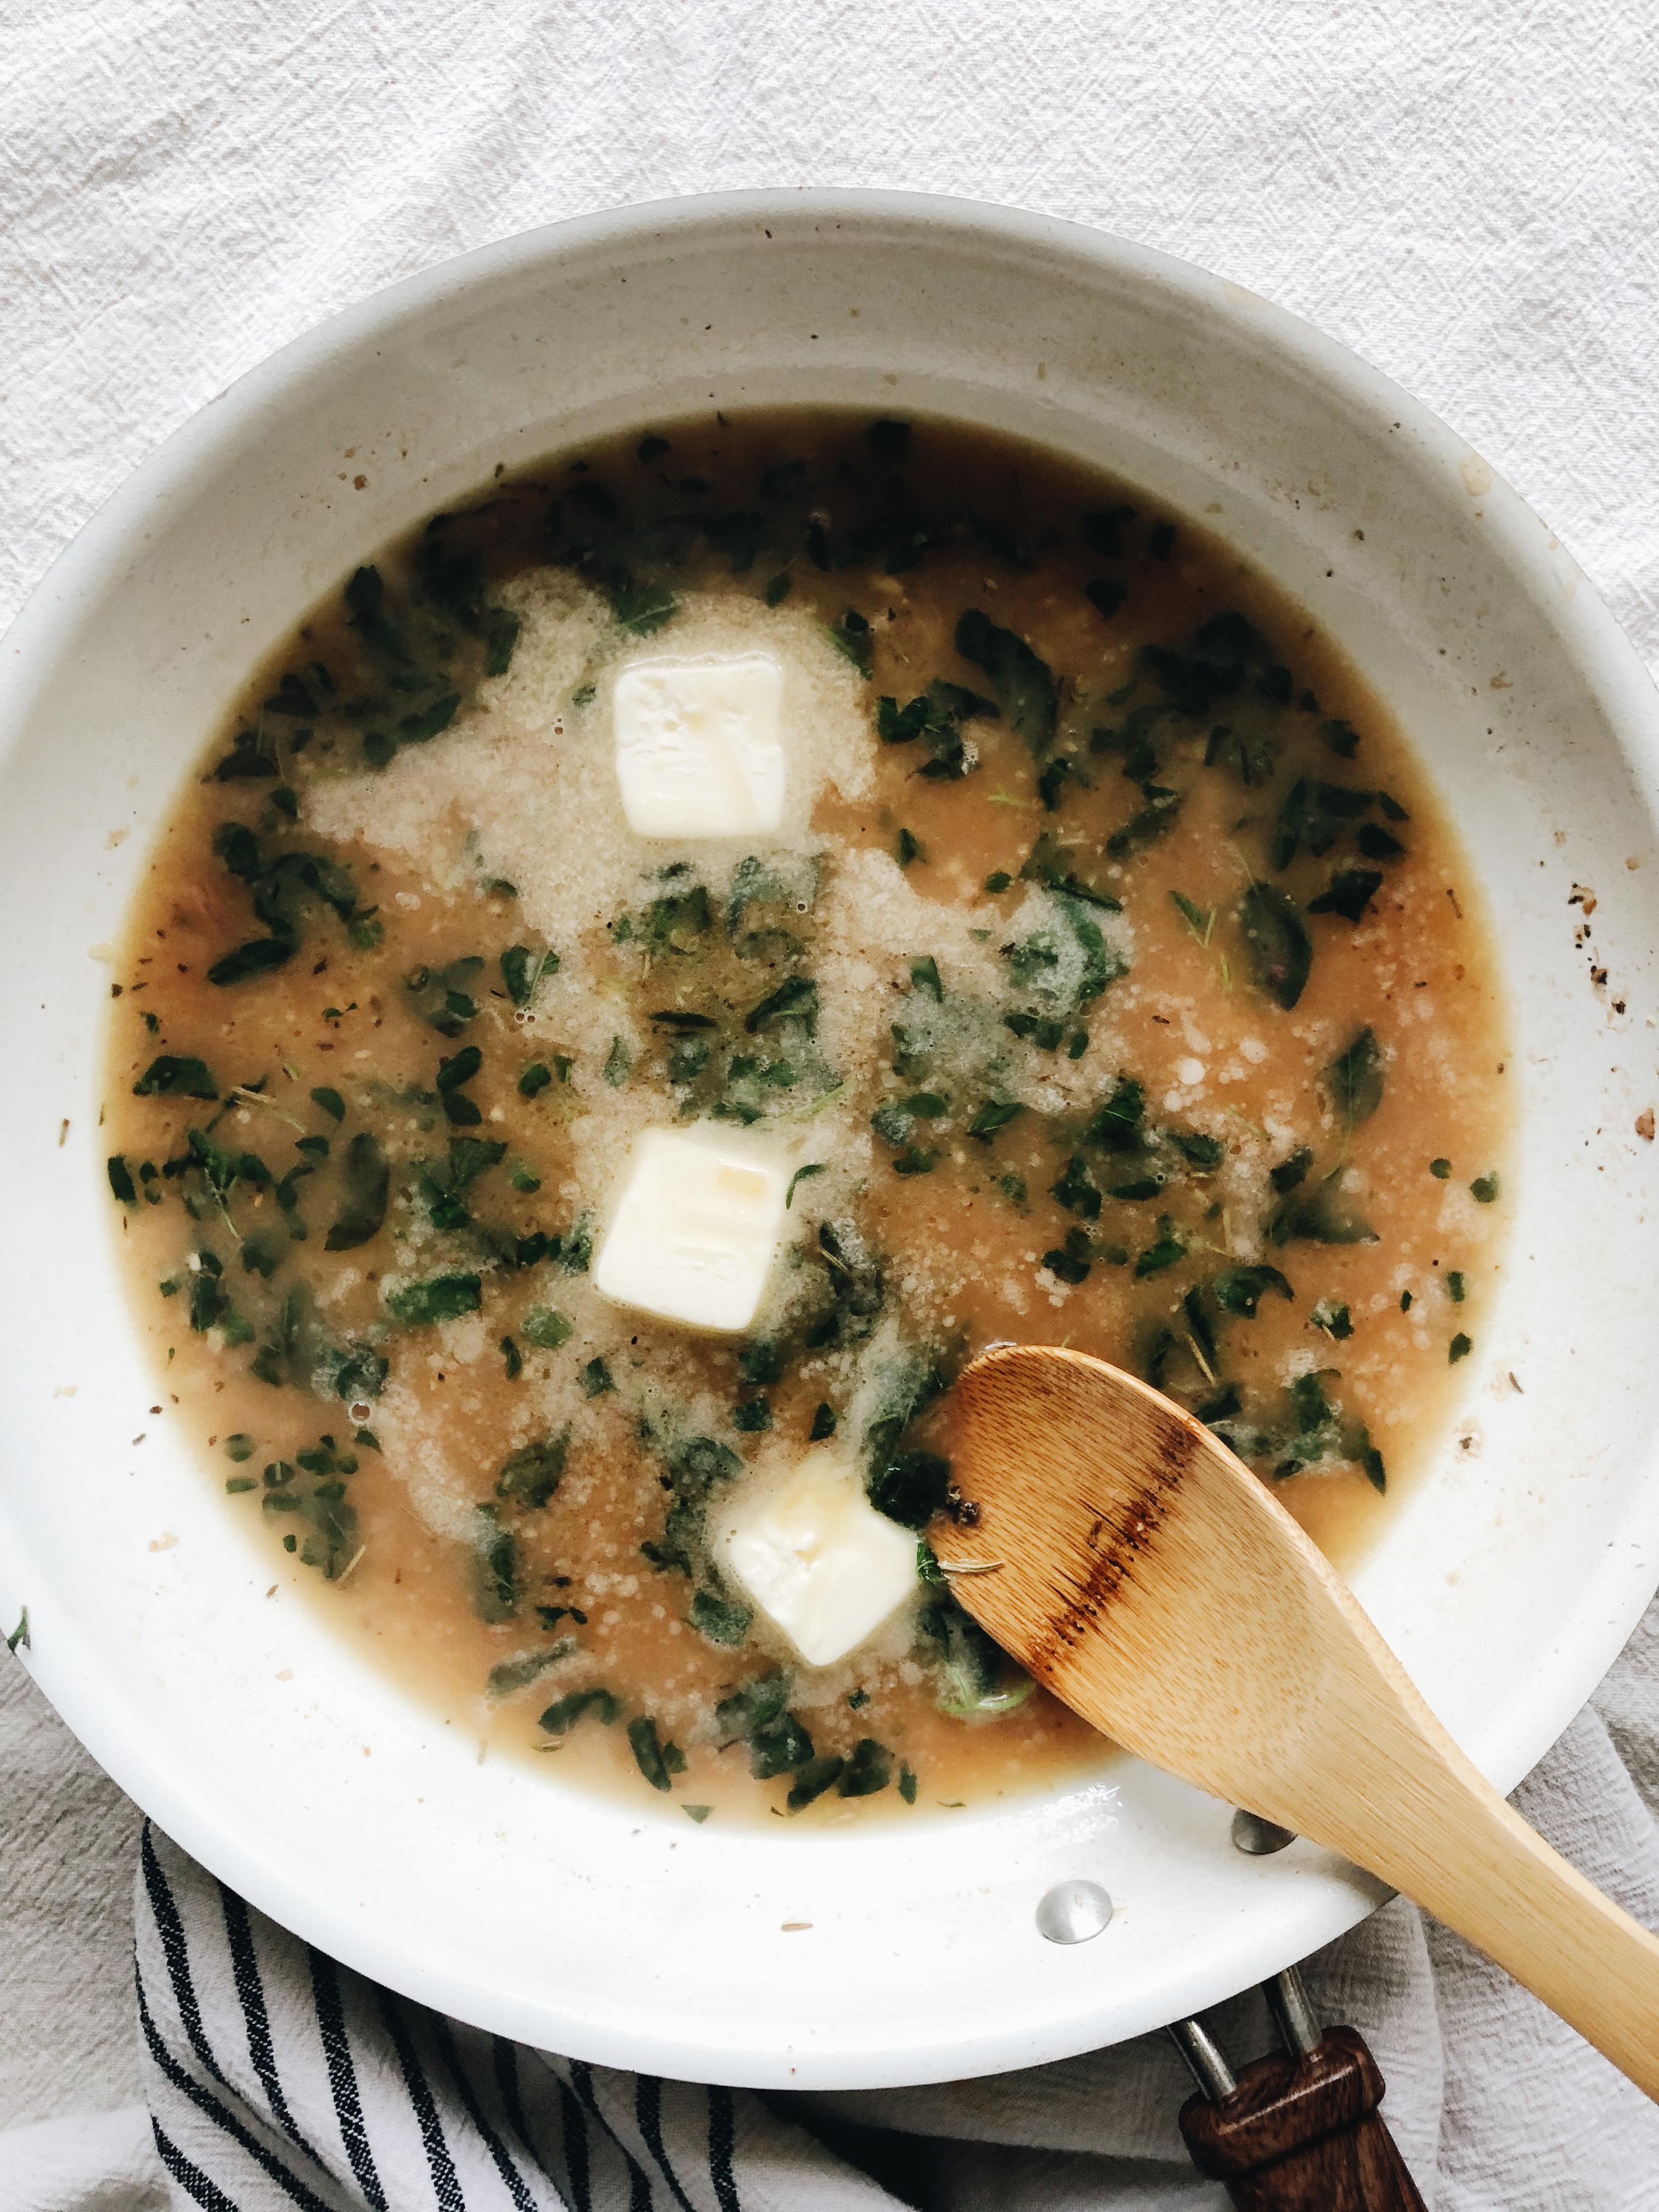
{"x": 1350, "y": 892}
{"x": 752, "y": 1416}
{"x": 1170, "y": 1248}
{"x": 331, "y": 1102}
{"x": 869, "y": 1770}
{"x": 911, "y": 1487}
{"x": 697, "y": 1813}
{"x": 535, "y": 1078}
{"x": 512, "y": 1358}
{"x": 824, "y": 1422}
{"x": 445, "y": 1297}
{"x": 530, "y": 1475}
{"x": 795, "y": 1000}
{"x": 1077, "y": 1189}
{"x": 523, "y": 969}
{"x": 547, "y": 1327}
{"x": 120, "y": 1180}
{"x": 518, "y": 1673}
{"x": 994, "y": 1116}
{"x": 495, "y": 1567}
{"x": 239, "y": 1448}
{"x": 1291, "y": 1172}
{"x": 641, "y": 608}
{"x": 1333, "y": 1318}
{"x": 778, "y": 590}
{"x": 722, "y": 1620}
{"x": 563, "y": 1714}
{"x": 658, "y": 1762}
{"x": 812, "y": 1779}
{"x": 1377, "y": 843}
{"x": 1143, "y": 829}
{"x": 1201, "y": 920}
{"x": 1203, "y": 1152}
{"x": 367, "y": 1179}
{"x": 999, "y": 880}
{"x": 851, "y": 636}
{"x": 1318, "y": 1219}
{"x": 170, "y": 1077}
{"x": 1485, "y": 1189}
{"x": 812, "y": 1168}
{"x": 442, "y": 996}
{"x": 1354, "y": 1079}
{"x": 1281, "y": 950}
{"x": 1106, "y": 593}
{"x": 1455, "y": 1290}
{"x": 1068, "y": 1267}
{"x": 596, "y": 1378}
{"x": 1241, "y": 1289}
{"x": 1025, "y": 685}
{"x": 1405, "y": 1301}
{"x": 618, "y": 1065}
{"x": 1440, "y": 1170}
{"x": 909, "y": 846}
{"x": 907, "y": 1785}
{"x": 1458, "y": 1348}
{"x": 1116, "y": 1126}
{"x": 1012, "y": 1186}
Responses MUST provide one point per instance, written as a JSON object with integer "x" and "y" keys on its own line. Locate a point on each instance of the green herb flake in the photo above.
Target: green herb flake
{"x": 596, "y": 1376}
{"x": 752, "y": 1416}
{"x": 908, "y": 847}
{"x": 1354, "y": 1079}
{"x": 1455, "y": 1290}
{"x": 512, "y": 1357}
{"x": 823, "y": 1422}
{"x": 998, "y": 880}
{"x": 169, "y": 1076}
{"x": 777, "y": 591}
{"x": 1485, "y": 1189}
{"x": 1333, "y": 1318}
{"x": 563, "y": 1714}
{"x": 812, "y": 1779}
{"x": 367, "y": 1180}
{"x": 721, "y": 1619}
{"x": 1440, "y": 1170}
{"x": 1405, "y": 1301}
{"x": 120, "y": 1180}
{"x": 867, "y": 1771}
{"x": 658, "y": 1762}
{"x": 535, "y": 1079}
{"x": 530, "y": 1475}
{"x": 907, "y": 1784}
{"x": 519, "y": 1673}
{"x": 700, "y": 1813}
{"x": 1277, "y": 941}
{"x": 1024, "y": 683}
{"x": 1458, "y": 1348}
{"x": 444, "y": 1297}
{"x": 1241, "y": 1289}
{"x": 812, "y": 1168}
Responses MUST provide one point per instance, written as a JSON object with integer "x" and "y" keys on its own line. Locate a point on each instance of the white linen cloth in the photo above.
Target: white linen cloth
{"x": 1468, "y": 197}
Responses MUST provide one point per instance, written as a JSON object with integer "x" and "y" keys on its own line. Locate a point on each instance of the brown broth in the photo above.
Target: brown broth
{"x": 401, "y": 1557}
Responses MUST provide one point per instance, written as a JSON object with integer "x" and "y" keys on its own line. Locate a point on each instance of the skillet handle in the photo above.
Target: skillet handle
{"x": 1303, "y": 2134}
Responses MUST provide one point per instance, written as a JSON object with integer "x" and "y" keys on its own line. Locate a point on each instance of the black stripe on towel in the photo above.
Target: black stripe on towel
{"x": 648, "y": 2111}
{"x": 722, "y": 2139}
{"x": 342, "y": 2076}
{"x": 576, "y": 2161}
{"x": 250, "y": 1991}
{"x": 209, "y": 2105}
{"x": 512, "y": 2179}
{"x": 639, "y": 2184}
{"x": 191, "y": 2179}
{"x": 171, "y": 1930}
{"x": 446, "y": 2182}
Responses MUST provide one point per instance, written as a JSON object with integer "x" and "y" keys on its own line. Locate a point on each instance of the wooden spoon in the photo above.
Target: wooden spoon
{"x": 1143, "y": 1574}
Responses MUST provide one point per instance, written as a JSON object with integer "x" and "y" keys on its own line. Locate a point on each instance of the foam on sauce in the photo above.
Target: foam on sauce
{"x": 523, "y": 1529}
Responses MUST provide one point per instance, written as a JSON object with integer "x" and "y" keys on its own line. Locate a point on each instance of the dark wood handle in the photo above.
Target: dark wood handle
{"x": 1303, "y": 2135}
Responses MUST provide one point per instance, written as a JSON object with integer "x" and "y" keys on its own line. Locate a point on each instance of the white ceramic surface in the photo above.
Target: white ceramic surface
{"x": 621, "y": 1933}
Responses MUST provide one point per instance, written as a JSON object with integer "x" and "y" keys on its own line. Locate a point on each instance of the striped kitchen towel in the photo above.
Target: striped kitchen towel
{"x": 279, "y": 2080}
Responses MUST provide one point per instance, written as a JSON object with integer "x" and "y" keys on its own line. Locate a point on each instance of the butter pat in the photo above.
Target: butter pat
{"x": 695, "y": 1229}
{"x": 698, "y": 748}
{"x": 817, "y": 1558}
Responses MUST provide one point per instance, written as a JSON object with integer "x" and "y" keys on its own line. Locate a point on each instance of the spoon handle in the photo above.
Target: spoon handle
{"x": 1407, "y": 1803}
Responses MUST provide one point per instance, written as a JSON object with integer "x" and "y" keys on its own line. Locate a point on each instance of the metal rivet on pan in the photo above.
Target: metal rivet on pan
{"x": 1073, "y": 1911}
{"x": 1258, "y": 1837}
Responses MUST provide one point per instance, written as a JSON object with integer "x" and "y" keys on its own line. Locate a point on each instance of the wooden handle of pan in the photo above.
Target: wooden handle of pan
{"x": 1303, "y": 2135}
